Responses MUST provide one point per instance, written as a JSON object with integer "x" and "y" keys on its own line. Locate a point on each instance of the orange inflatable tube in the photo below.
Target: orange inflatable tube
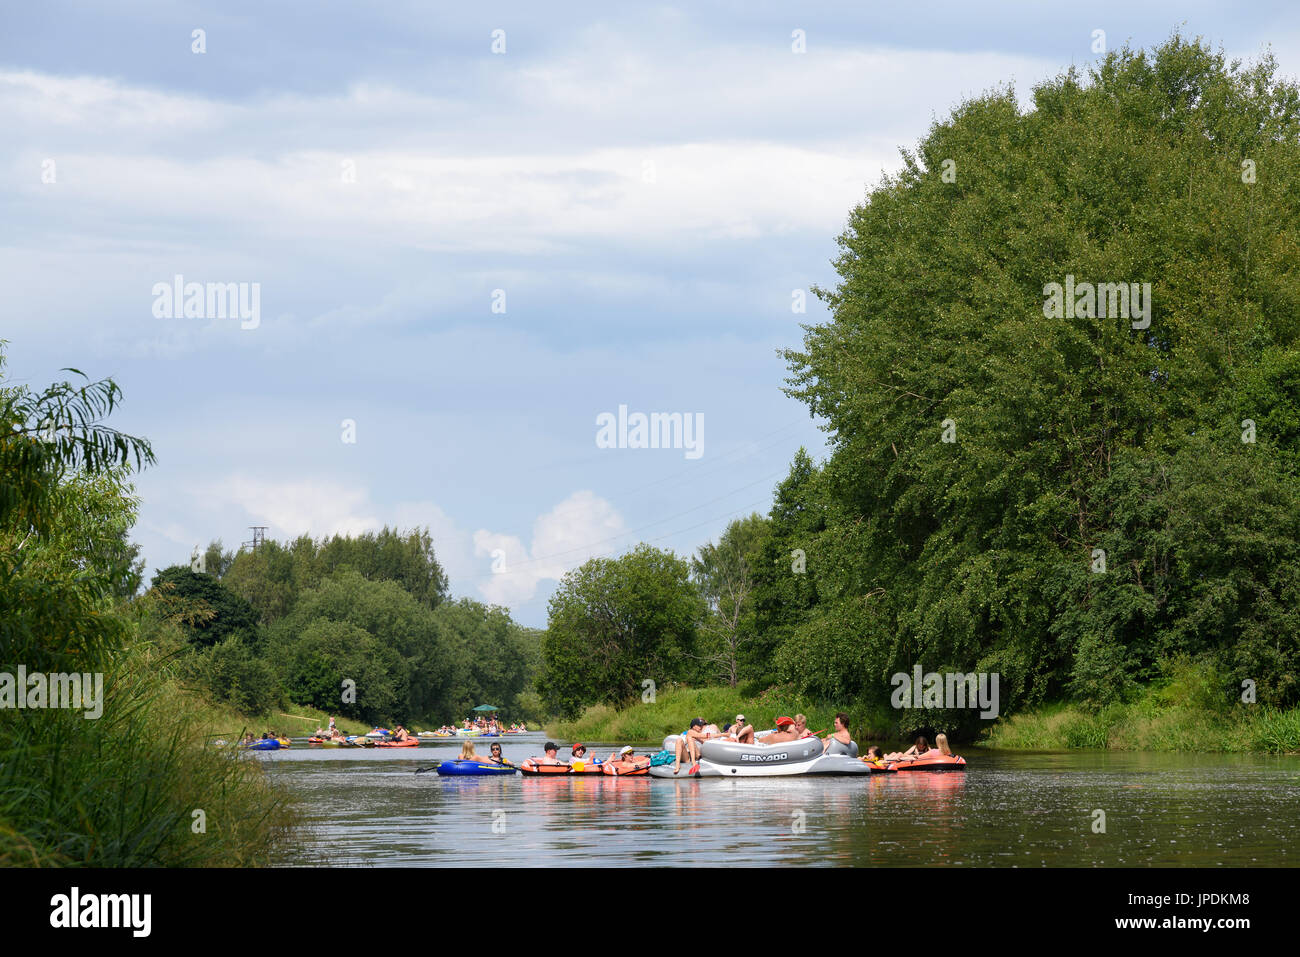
{"x": 941, "y": 762}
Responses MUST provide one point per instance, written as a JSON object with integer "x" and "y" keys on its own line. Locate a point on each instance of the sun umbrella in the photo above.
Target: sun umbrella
{"x": 487, "y": 707}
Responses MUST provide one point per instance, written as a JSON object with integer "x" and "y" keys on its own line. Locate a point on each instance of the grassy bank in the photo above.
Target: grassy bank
{"x": 1184, "y": 712}
{"x": 1143, "y": 727}
{"x": 672, "y": 711}
{"x": 137, "y": 787}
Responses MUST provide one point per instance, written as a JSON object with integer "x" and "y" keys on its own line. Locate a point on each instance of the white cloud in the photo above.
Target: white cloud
{"x": 578, "y": 528}
{"x": 293, "y": 508}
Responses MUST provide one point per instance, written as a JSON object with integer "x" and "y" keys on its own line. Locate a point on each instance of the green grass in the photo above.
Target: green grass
{"x": 1182, "y": 712}
{"x": 122, "y": 790}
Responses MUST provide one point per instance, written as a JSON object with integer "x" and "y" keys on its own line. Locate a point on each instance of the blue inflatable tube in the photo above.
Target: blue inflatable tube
{"x": 473, "y": 767}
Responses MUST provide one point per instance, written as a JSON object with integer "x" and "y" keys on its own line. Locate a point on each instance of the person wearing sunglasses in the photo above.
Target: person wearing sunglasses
{"x": 494, "y": 755}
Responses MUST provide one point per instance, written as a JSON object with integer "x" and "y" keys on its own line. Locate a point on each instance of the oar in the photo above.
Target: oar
{"x": 432, "y": 767}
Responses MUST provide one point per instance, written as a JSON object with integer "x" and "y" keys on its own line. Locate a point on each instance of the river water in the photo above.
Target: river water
{"x": 1008, "y": 809}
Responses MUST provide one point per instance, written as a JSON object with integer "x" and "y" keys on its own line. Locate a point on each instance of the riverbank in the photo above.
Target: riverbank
{"x": 137, "y": 787}
{"x": 1142, "y": 726}
{"x": 1170, "y": 716}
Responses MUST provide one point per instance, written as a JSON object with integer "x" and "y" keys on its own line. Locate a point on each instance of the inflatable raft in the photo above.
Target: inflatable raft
{"x": 408, "y": 743}
{"x": 639, "y": 766}
{"x": 533, "y": 766}
{"x": 726, "y": 759}
{"x": 264, "y": 744}
{"x": 943, "y": 762}
{"x": 473, "y": 768}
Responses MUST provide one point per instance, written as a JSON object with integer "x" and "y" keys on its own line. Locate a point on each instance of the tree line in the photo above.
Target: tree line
{"x": 359, "y": 625}
{"x": 1073, "y": 499}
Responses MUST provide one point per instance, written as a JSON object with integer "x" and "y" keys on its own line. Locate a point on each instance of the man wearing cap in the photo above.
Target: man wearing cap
{"x": 550, "y": 750}
{"x": 784, "y": 732}
{"x": 743, "y": 732}
{"x": 628, "y": 754}
{"x": 689, "y": 742}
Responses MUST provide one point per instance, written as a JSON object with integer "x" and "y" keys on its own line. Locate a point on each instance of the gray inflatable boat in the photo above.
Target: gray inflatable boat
{"x": 726, "y": 759}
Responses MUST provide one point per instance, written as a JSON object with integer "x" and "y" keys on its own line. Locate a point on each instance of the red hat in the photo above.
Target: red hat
{"x": 577, "y": 745}
{"x": 784, "y": 720}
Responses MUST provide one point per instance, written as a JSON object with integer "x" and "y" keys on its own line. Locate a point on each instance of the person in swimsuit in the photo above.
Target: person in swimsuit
{"x": 917, "y": 750}
{"x": 840, "y": 734}
{"x": 688, "y": 743}
{"x": 784, "y": 732}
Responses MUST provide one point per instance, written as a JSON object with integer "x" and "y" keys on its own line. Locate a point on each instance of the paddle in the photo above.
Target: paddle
{"x": 432, "y": 767}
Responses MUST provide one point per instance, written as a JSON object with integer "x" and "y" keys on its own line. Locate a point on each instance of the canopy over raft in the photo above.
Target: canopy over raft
{"x": 487, "y": 707}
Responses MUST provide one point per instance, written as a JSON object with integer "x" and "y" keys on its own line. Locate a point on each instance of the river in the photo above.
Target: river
{"x": 1008, "y": 809}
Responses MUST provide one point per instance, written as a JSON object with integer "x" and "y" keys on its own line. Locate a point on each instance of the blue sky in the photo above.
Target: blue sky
{"x": 647, "y": 184}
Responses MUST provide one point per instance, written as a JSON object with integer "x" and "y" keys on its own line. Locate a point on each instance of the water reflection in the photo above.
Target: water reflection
{"x": 1010, "y": 810}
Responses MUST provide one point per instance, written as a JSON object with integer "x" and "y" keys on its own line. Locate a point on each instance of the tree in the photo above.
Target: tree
{"x": 1008, "y": 467}
{"x": 212, "y": 611}
{"x": 616, "y": 623}
{"x": 724, "y": 575}
{"x": 65, "y": 510}
{"x": 421, "y": 655}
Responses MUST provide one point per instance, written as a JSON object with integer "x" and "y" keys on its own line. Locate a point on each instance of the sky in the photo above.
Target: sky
{"x": 469, "y": 234}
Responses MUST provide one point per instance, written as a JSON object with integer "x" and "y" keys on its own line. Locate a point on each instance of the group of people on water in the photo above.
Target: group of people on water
{"x": 248, "y": 738}
{"x": 332, "y": 733}
{"x": 839, "y": 741}
{"x": 486, "y": 726}
{"x": 577, "y": 755}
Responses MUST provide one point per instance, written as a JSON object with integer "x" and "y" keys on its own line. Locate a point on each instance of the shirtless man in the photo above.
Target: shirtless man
{"x": 784, "y": 732}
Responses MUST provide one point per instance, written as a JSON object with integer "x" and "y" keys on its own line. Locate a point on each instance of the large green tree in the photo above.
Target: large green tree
{"x": 725, "y": 575}
{"x": 615, "y": 623}
{"x": 1010, "y": 471}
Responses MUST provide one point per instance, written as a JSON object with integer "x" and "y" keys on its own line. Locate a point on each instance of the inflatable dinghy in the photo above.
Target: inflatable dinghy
{"x": 726, "y": 759}
{"x": 533, "y": 766}
{"x": 942, "y": 762}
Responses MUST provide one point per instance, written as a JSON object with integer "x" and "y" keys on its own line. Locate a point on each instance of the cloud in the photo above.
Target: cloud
{"x": 578, "y": 528}
{"x": 293, "y": 508}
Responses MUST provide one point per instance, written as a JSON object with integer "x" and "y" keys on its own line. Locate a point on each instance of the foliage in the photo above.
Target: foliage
{"x": 1075, "y": 439}
{"x": 615, "y": 623}
{"x": 725, "y": 577}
